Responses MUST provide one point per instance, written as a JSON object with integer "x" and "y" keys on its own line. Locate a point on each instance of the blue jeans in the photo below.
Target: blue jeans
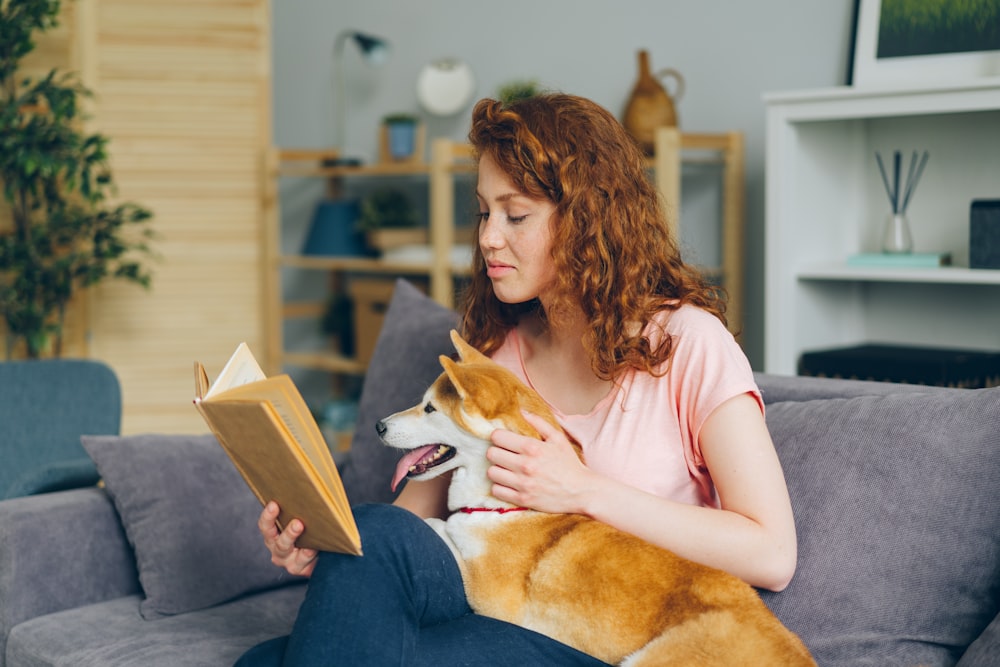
{"x": 402, "y": 603}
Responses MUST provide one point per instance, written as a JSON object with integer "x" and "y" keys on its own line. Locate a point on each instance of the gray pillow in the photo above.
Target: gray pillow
{"x": 403, "y": 365}
{"x": 190, "y": 518}
{"x": 898, "y": 524}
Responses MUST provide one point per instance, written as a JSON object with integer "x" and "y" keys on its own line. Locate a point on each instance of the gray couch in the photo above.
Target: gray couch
{"x": 894, "y": 489}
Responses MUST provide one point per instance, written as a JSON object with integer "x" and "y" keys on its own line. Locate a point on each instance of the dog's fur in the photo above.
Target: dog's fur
{"x": 603, "y": 591}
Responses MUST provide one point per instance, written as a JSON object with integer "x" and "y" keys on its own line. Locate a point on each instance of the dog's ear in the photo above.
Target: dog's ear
{"x": 482, "y": 382}
{"x": 451, "y": 369}
{"x": 466, "y": 352}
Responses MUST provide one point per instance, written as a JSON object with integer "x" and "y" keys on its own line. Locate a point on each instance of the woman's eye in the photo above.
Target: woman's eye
{"x": 481, "y": 216}
{"x": 516, "y": 218}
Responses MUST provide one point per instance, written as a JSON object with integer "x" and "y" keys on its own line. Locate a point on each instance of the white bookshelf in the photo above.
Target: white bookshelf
{"x": 825, "y": 201}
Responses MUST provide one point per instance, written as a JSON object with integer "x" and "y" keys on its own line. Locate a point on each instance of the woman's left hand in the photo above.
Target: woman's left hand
{"x": 544, "y": 474}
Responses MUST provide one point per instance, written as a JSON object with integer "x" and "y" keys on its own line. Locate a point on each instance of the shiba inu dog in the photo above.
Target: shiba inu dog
{"x": 580, "y": 581}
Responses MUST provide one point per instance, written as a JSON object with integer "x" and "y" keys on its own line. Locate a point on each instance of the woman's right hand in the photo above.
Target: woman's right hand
{"x": 281, "y": 544}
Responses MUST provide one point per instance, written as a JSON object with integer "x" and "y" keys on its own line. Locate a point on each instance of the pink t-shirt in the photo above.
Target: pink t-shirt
{"x": 645, "y": 431}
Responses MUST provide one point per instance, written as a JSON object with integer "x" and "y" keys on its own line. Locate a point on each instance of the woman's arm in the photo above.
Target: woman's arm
{"x": 425, "y": 499}
{"x": 751, "y": 536}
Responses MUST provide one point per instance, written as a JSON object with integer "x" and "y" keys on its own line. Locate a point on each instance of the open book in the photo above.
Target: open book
{"x": 266, "y": 428}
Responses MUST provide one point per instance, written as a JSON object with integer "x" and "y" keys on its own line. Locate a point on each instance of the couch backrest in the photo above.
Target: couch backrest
{"x": 893, "y": 489}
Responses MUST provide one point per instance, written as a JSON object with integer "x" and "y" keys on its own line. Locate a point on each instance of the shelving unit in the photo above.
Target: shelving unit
{"x": 449, "y": 158}
{"x": 673, "y": 149}
{"x": 825, "y": 200}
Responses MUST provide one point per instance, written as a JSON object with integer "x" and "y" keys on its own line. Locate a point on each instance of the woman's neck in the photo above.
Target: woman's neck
{"x": 558, "y": 364}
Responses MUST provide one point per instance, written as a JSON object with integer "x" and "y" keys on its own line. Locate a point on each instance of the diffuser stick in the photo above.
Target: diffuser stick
{"x": 885, "y": 178}
{"x": 909, "y": 181}
{"x": 912, "y": 183}
{"x": 895, "y": 181}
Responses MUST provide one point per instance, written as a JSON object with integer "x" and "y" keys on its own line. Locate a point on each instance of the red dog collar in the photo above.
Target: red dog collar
{"x": 499, "y": 510}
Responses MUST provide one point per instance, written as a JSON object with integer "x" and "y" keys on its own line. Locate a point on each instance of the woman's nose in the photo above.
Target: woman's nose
{"x": 489, "y": 236}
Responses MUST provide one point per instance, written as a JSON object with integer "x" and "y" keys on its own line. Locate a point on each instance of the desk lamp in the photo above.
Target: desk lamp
{"x": 375, "y": 51}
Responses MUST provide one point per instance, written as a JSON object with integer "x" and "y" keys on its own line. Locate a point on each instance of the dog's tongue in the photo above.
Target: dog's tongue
{"x": 409, "y": 459}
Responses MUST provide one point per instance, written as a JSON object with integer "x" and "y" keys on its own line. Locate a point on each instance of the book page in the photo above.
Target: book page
{"x": 242, "y": 368}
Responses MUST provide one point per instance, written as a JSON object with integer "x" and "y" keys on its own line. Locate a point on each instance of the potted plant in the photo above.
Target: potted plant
{"x": 63, "y": 235}
{"x": 389, "y": 220}
{"x": 518, "y": 89}
{"x": 401, "y": 135}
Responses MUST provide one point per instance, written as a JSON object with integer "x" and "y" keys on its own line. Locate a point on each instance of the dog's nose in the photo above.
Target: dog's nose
{"x": 380, "y": 428}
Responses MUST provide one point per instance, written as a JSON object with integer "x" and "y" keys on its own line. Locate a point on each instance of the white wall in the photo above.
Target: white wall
{"x": 730, "y": 52}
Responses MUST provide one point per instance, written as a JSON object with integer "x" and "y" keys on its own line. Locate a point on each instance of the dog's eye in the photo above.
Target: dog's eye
{"x": 429, "y": 408}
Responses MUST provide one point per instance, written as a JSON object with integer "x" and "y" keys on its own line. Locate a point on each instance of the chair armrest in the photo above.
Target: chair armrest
{"x": 55, "y": 476}
{"x": 60, "y": 551}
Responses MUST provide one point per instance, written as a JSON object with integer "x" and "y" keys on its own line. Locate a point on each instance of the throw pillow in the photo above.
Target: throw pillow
{"x": 404, "y": 363}
{"x": 899, "y": 533}
{"x": 190, "y": 518}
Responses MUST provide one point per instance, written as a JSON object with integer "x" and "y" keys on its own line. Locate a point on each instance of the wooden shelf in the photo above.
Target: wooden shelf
{"x": 324, "y": 361}
{"x": 362, "y": 265}
{"x": 447, "y": 159}
{"x": 674, "y": 148}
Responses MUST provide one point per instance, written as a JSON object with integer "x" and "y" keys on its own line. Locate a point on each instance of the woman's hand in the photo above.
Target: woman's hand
{"x": 544, "y": 474}
{"x": 284, "y": 553}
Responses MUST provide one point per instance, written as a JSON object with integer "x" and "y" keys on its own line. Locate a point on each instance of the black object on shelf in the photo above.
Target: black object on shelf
{"x": 984, "y": 234}
{"x": 941, "y": 367}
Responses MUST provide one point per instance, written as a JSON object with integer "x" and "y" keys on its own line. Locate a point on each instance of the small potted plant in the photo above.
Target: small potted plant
{"x": 389, "y": 220}
{"x": 518, "y": 89}
{"x": 401, "y": 135}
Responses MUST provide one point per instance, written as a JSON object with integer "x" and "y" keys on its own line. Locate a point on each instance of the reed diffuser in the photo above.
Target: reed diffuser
{"x": 896, "y": 237}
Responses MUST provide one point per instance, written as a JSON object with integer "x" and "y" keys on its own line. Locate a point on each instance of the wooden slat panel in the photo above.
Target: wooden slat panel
{"x": 183, "y": 93}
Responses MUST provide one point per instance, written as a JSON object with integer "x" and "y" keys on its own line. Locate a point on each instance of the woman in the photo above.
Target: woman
{"x": 577, "y": 287}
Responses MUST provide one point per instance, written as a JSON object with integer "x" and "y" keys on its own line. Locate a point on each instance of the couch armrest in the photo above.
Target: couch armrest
{"x": 60, "y": 551}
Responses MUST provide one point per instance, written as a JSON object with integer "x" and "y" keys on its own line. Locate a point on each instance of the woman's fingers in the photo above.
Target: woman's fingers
{"x": 281, "y": 544}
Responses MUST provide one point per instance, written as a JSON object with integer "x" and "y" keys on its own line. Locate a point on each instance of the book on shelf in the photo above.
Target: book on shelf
{"x": 266, "y": 428}
{"x": 913, "y": 260}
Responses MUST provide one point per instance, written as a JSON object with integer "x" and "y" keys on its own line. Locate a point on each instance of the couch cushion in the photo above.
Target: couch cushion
{"x": 403, "y": 365}
{"x": 899, "y": 533}
{"x": 190, "y": 518}
{"x": 114, "y": 633}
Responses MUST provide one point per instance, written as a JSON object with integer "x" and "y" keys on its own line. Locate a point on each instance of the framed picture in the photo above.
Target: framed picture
{"x": 909, "y": 43}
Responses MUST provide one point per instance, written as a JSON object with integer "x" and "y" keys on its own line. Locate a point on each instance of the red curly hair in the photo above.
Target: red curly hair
{"x": 614, "y": 256}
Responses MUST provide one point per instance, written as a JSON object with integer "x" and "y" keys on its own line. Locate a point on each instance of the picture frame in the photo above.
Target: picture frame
{"x": 919, "y": 60}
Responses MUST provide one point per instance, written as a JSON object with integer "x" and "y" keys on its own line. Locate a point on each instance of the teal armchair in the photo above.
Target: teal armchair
{"x": 45, "y": 406}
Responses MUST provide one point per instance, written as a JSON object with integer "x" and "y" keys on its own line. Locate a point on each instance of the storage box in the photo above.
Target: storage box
{"x": 371, "y": 297}
{"x": 940, "y": 367}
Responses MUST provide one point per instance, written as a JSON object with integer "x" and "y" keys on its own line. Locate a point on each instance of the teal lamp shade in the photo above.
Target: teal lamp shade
{"x": 333, "y": 230}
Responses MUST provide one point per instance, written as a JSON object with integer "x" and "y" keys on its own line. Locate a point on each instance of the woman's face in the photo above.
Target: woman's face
{"x": 515, "y": 236}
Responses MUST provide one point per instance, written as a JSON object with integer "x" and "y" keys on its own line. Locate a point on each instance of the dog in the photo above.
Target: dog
{"x": 579, "y": 581}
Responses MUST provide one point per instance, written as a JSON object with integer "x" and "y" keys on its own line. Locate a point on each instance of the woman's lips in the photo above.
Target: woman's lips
{"x": 498, "y": 269}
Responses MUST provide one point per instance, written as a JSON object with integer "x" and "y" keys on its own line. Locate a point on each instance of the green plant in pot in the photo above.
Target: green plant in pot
{"x": 388, "y": 219}
{"x": 61, "y": 233}
{"x": 518, "y": 89}
{"x": 402, "y": 134}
